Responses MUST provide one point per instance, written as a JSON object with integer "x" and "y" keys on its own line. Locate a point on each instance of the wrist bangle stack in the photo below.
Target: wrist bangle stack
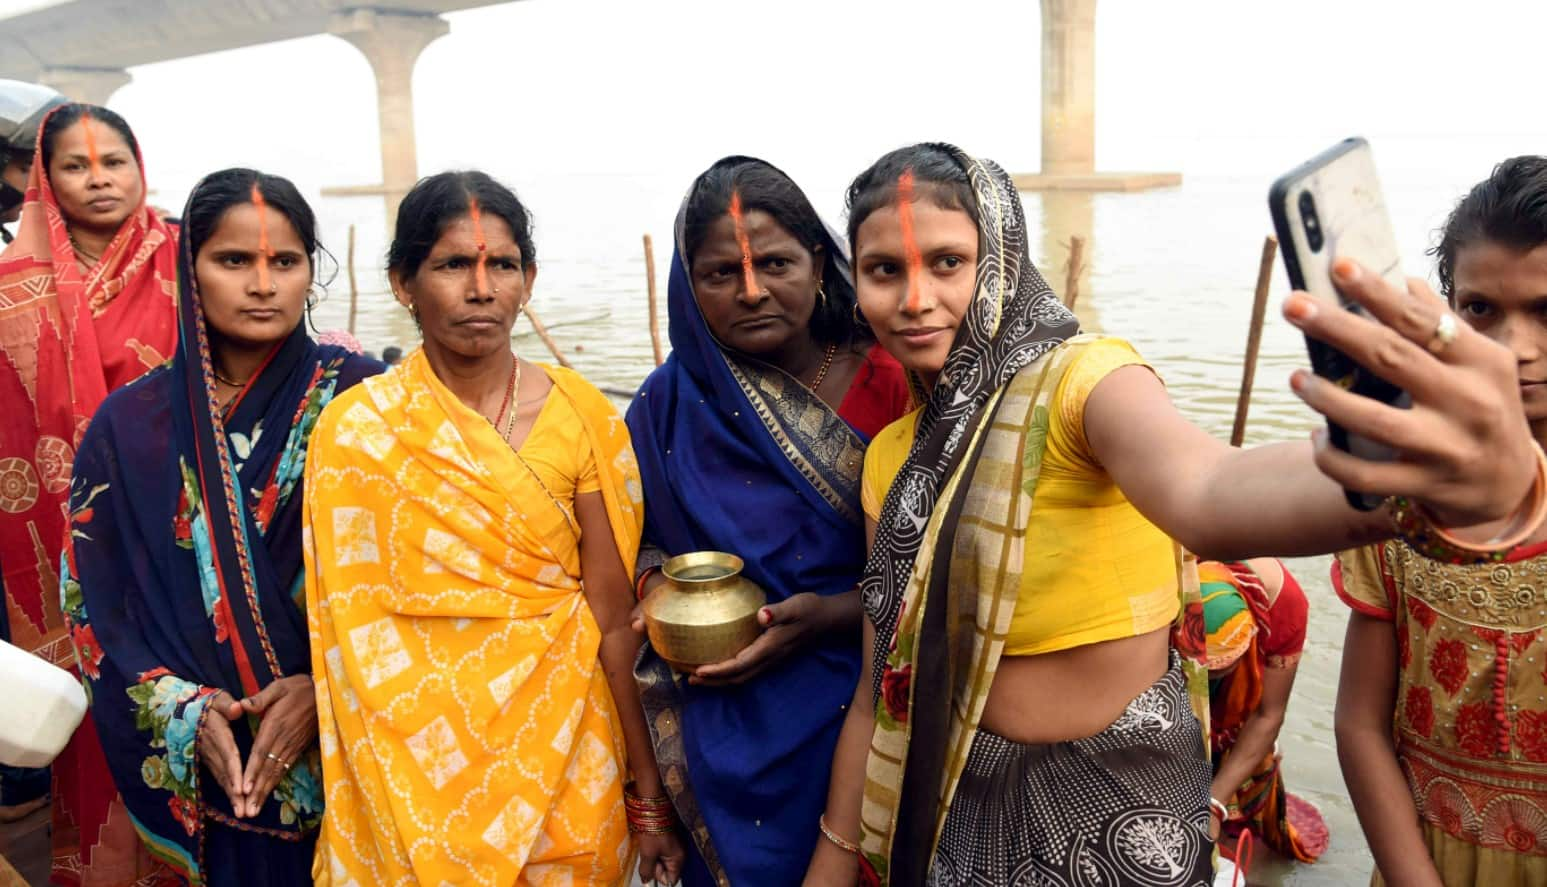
{"x": 841, "y": 843}
{"x": 1416, "y": 526}
{"x": 647, "y": 816}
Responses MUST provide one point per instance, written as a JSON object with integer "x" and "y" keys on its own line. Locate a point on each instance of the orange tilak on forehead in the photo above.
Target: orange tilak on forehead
{"x": 265, "y": 251}
{"x": 93, "y": 159}
{"x": 910, "y": 245}
{"x": 481, "y": 269}
{"x": 741, "y": 240}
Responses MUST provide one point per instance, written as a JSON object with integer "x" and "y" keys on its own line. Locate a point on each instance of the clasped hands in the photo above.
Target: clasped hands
{"x": 287, "y": 725}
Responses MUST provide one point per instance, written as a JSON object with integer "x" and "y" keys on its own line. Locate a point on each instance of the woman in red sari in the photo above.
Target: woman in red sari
{"x": 87, "y": 305}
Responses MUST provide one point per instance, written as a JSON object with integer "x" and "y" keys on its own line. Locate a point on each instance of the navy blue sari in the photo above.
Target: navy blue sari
{"x": 183, "y": 576}
{"x": 738, "y": 456}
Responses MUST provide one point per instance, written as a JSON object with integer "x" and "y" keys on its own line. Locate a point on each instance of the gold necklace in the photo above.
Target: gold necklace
{"x": 821, "y": 373}
{"x": 505, "y": 419}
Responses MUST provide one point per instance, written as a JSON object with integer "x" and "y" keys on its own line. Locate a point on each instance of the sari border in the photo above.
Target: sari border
{"x": 663, "y": 705}
{"x": 781, "y": 417}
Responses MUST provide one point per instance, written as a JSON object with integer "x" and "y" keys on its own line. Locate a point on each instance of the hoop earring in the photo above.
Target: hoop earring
{"x": 858, "y": 317}
{"x": 821, "y": 297}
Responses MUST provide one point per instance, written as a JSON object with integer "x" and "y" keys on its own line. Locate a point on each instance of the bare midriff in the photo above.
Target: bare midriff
{"x": 1074, "y": 693}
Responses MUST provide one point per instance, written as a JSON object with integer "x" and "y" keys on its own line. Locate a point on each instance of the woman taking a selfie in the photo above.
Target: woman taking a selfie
{"x": 1024, "y": 711}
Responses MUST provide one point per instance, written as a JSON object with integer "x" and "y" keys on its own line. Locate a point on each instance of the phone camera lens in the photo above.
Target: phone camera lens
{"x": 1313, "y": 233}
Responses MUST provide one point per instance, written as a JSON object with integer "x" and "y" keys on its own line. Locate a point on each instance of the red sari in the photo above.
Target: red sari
{"x": 68, "y": 336}
{"x": 878, "y": 395}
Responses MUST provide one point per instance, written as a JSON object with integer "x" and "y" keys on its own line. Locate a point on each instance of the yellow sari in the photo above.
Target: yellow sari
{"x": 467, "y": 730}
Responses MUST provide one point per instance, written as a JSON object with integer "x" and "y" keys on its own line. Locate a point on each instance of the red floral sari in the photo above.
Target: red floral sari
{"x": 69, "y": 335}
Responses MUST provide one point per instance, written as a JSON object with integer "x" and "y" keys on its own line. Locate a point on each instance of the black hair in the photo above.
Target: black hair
{"x": 437, "y": 201}
{"x": 763, "y": 187}
{"x": 66, "y": 116}
{"x": 937, "y": 175}
{"x": 217, "y": 192}
{"x": 1508, "y": 208}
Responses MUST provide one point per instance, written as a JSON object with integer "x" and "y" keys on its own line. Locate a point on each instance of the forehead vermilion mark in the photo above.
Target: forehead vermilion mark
{"x": 265, "y": 251}
{"x": 741, "y": 241}
{"x": 481, "y": 269}
{"x": 93, "y": 159}
{"x": 910, "y": 245}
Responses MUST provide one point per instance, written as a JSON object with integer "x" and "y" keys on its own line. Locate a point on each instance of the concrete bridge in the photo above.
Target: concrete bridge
{"x": 84, "y": 49}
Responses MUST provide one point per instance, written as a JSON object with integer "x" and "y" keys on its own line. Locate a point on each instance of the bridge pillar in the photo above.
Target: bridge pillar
{"x": 1069, "y": 108}
{"x": 1068, "y": 87}
{"x": 391, "y": 42}
{"x": 93, "y": 86}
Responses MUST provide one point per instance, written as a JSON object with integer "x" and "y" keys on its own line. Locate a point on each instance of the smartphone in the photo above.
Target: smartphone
{"x": 1328, "y": 208}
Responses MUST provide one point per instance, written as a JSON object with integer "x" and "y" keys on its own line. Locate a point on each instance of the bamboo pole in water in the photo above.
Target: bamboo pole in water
{"x": 542, "y": 333}
{"x": 354, "y": 289}
{"x": 655, "y": 322}
{"x": 1072, "y": 274}
{"x": 1254, "y": 339}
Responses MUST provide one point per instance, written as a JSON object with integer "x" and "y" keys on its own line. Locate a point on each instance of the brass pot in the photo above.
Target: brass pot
{"x": 705, "y": 612}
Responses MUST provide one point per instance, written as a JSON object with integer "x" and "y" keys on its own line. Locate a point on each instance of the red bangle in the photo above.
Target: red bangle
{"x": 647, "y": 816}
{"x": 639, "y": 581}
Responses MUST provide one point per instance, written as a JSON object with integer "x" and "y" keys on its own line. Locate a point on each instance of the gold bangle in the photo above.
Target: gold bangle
{"x": 829, "y": 834}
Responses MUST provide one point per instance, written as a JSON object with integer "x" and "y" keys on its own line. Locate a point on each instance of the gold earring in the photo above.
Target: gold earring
{"x": 858, "y": 317}
{"x": 821, "y": 297}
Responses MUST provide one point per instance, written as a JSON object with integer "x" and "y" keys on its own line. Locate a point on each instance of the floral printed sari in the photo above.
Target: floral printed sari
{"x": 182, "y": 577}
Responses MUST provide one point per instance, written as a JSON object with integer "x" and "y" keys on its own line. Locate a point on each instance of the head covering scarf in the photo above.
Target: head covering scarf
{"x": 183, "y": 577}
{"x": 1013, "y": 320}
{"x": 68, "y": 337}
{"x": 736, "y": 455}
{"x": 1228, "y": 619}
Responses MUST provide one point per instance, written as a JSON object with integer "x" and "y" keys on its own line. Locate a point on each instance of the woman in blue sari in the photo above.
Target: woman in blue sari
{"x": 750, "y": 439}
{"x": 182, "y": 576}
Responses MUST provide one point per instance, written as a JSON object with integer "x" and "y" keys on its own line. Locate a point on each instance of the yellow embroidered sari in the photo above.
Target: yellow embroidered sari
{"x": 467, "y": 729}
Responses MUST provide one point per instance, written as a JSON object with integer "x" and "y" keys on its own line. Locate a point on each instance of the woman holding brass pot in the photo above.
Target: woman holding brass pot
{"x": 750, "y": 441}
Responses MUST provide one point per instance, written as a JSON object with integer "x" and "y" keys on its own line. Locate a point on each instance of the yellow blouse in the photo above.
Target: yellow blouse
{"x": 1096, "y": 570}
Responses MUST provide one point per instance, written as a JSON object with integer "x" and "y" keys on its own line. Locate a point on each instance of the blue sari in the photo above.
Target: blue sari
{"x": 738, "y": 456}
{"x": 182, "y": 576}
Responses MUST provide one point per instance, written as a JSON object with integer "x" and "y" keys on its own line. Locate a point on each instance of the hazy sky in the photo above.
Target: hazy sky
{"x": 821, "y": 87}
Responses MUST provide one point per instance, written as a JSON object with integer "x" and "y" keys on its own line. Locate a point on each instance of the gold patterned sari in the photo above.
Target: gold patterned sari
{"x": 467, "y": 729}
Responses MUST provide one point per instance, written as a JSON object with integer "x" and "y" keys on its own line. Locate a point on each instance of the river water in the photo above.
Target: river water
{"x": 1171, "y": 270}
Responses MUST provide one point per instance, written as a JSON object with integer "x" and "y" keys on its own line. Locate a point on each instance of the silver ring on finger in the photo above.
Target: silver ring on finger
{"x": 1445, "y": 332}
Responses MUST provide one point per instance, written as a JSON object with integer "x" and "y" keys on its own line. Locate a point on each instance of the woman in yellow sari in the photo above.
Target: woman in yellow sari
{"x": 472, "y": 524}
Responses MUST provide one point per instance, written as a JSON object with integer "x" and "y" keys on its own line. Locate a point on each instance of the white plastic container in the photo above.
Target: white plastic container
{"x": 43, "y": 706}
